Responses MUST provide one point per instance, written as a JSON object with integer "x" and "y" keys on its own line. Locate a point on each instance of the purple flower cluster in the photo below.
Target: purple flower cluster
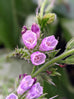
{"x": 28, "y": 84}
{"x": 30, "y": 40}
{"x": 25, "y": 84}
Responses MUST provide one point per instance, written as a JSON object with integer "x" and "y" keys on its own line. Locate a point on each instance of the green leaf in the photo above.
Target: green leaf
{"x": 70, "y": 44}
{"x": 12, "y": 16}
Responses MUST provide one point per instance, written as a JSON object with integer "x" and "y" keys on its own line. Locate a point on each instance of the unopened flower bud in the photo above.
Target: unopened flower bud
{"x": 62, "y": 66}
{"x": 36, "y": 29}
{"x": 34, "y": 80}
{"x": 22, "y": 75}
{"x": 24, "y": 29}
{"x": 51, "y": 17}
{"x": 49, "y": 72}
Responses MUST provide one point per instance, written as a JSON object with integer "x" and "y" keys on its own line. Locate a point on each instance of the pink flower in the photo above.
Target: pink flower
{"x": 29, "y": 39}
{"x": 24, "y": 29}
{"x": 48, "y": 43}
{"x": 25, "y": 84}
{"x": 12, "y": 96}
{"x": 35, "y": 92}
{"x": 36, "y": 29}
{"x": 38, "y": 58}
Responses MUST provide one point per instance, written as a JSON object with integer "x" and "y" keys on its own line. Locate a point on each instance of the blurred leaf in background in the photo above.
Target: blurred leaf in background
{"x": 12, "y": 16}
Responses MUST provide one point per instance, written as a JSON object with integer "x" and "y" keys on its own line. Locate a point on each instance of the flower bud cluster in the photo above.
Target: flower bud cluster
{"x": 30, "y": 38}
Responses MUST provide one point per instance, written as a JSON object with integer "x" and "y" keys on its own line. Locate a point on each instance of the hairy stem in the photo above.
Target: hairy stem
{"x": 34, "y": 69}
{"x": 54, "y": 60}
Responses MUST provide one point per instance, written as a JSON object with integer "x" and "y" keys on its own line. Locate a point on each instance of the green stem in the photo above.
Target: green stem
{"x": 34, "y": 69}
{"x": 56, "y": 59}
{"x": 42, "y": 8}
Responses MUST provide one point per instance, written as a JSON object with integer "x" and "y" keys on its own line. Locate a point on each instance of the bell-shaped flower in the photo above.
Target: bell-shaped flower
{"x": 38, "y": 58}
{"x": 48, "y": 43}
{"x": 25, "y": 84}
{"x": 29, "y": 39}
{"x": 35, "y": 92}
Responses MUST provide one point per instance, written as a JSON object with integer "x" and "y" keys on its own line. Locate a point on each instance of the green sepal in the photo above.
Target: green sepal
{"x": 21, "y": 53}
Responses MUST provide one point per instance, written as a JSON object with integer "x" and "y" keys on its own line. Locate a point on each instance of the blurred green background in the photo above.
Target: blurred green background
{"x": 13, "y": 15}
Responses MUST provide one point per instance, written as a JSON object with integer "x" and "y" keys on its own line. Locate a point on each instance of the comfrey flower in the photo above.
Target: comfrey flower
{"x": 25, "y": 84}
{"x": 35, "y": 92}
{"x": 36, "y": 29}
{"x": 48, "y": 43}
{"x": 29, "y": 39}
{"x": 24, "y": 29}
{"x": 12, "y": 96}
{"x": 38, "y": 58}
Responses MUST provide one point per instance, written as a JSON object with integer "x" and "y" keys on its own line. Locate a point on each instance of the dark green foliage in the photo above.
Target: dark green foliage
{"x": 12, "y": 17}
{"x": 61, "y": 88}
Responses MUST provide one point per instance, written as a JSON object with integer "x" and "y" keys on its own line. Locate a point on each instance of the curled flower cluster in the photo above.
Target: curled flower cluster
{"x": 29, "y": 85}
{"x": 30, "y": 38}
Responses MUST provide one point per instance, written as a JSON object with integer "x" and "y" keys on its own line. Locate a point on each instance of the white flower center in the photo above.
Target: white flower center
{"x": 30, "y": 40}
